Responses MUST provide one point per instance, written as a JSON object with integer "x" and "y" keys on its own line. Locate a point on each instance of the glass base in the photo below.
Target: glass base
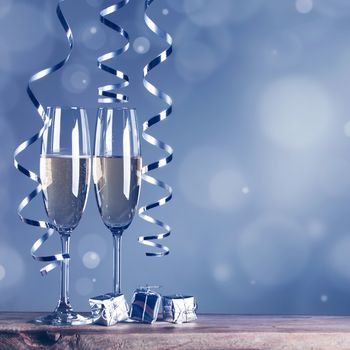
{"x": 58, "y": 318}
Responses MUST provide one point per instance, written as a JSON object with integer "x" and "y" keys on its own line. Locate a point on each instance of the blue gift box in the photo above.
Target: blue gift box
{"x": 145, "y": 305}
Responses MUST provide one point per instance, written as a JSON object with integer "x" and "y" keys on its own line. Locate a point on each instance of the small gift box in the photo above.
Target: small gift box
{"x": 109, "y": 309}
{"x": 145, "y": 305}
{"x": 179, "y": 308}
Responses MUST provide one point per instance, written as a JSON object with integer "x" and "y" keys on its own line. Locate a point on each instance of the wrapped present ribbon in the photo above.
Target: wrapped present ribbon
{"x": 179, "y": 308}
{"x": 145, "y": 305}
{"x": 109, "y": 309}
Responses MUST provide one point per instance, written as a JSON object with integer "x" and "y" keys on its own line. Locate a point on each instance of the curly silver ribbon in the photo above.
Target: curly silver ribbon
{"x": 109, "y": 92}
{"x": 149, "y": 240}
{"x": 53, "y": 259}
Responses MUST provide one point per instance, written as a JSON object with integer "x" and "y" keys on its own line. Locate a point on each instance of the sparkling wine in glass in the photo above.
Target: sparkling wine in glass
{"x": 65, "y": 176}
{"x": 117, "y": 175}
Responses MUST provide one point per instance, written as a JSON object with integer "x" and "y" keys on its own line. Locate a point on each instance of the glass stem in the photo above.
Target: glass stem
{"x": 64, "y": 304}
{"x": 117, "y": 241}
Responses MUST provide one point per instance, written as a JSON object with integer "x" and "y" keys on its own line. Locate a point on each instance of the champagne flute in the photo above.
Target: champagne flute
{"x": 117, "y": 175}
{"x": 65, "y": 164}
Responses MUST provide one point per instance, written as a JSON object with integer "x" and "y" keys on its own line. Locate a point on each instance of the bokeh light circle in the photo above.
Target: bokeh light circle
{"x": 165, "y": 12}
{"x": 92, "y": 36}
{"x": 295, "y": 112}
{"x": 222, "y": 272}
{"x": 141, "y": 45}
{"x": 75, "y": 78}
{"x": 273, "y": 250}
{"x": 324, "y": 298}
{"x": 304, "y": 6}
{"x": 12, "y": 266}
{"x": 245, "y": 190}
{"x": 91, "y": 259}
{"x": 84, "y": 286}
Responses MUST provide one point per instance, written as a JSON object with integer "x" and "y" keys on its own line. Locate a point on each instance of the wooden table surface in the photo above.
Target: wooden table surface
{"x": 208, "y": 332}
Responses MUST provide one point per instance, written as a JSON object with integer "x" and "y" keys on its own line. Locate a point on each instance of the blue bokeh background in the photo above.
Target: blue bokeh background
{"x": 261, "y": 130}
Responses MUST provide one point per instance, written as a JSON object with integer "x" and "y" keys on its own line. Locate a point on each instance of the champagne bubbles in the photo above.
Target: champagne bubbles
{"x": 208, "y": 13}
{"x": 84, "y": 286}
{"x": 75, "y": 78}
{"x": 11, "y": 266}
{"x": 91, "y": 260}
{"x": 273, "y": 251}
{"x": 304, "y": 6}
{"x": 5, "y": 7}
{"x": 141, "y": 45}
{"x": 295, "y": 112}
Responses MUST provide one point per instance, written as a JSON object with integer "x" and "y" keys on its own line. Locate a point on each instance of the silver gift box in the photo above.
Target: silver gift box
{"x": 179, "y": 308}
{"x": 109, "y": 309}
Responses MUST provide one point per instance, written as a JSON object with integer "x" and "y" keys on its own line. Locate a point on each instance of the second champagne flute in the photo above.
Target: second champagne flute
{"x": 117, "y": 175}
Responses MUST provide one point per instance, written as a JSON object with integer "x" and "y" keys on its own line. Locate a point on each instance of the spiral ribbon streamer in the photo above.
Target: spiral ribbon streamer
{"x": 149, "y": 240}
{"x": 109, "y": 93}
{"x": 57, "y": 258}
